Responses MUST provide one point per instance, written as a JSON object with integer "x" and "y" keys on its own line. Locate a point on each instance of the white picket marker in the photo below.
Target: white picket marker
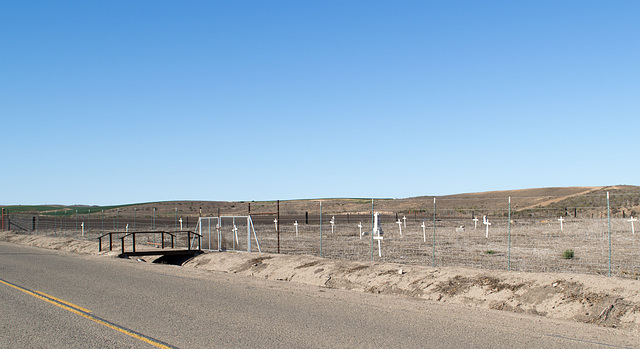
{"x": 561, "y": 220}
{"x": 475, "y": 223}
{"x": 180, "y": 220}
{"x": 633, "y": 230}
{"x": 333, "y": 223}
{"x": 485, "y": 221}
{"x": 360, "y": 226}
{"x": 82, "y": 225}
{"x": 424, "y": 232}
{"x": 296, "y": 225}
{"x": 275, "y": 221}
{"x": 399, "y": 226}
{"x": 126, "y": 228}
{"x": 404, "y": 218}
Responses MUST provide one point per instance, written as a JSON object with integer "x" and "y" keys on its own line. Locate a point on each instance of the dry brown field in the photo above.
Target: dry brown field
{"x": 526, "y": 237}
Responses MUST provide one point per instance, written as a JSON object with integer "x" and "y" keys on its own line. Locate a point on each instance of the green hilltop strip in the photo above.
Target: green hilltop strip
{"x": 31, "y": 208}
{"x": 60, "y": 210}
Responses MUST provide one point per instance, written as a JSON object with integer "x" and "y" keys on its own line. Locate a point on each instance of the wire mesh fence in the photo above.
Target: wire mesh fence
{"x": 538, "y": 246}
{"x": 595, "y": 236}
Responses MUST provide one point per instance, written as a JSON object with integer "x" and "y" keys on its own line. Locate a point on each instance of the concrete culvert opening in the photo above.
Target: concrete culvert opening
{"x": 178, "y": 259}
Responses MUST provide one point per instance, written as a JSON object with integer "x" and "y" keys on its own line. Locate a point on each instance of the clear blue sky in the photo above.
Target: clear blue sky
{"x": 109, "y": 102}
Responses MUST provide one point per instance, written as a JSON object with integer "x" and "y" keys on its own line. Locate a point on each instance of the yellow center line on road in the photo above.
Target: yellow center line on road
{"x": 85, "y": 314}
{"x": 63, "y": 302}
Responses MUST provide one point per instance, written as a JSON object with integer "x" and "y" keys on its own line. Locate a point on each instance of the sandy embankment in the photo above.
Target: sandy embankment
{"x": 612, "y": 302}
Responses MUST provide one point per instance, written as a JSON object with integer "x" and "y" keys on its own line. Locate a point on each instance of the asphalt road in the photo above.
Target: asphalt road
{"x": 51, "y": 299}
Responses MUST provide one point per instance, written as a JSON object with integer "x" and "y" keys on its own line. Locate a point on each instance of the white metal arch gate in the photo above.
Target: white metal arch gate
{"x": 226, "y": 233}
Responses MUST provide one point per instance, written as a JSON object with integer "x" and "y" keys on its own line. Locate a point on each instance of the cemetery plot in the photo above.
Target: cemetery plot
{"x": 547, "y": 229}
{"x": 536, "y": 245}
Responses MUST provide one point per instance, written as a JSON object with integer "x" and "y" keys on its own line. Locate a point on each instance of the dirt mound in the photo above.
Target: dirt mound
{"x": 611, "y": 302}
{"x": 54, "y": 243}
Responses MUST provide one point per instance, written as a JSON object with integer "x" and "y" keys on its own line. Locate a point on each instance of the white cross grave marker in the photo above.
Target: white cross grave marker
{"x": 424, "y": 231}
{"x": 475, "y": 223}
{"x": 377, "y": 232}
{"x": 404, "y": 218}
{"x": 399, "y": 226}
{"x": 379, "y": 238}
{"x": 296, "y": 225}
{"x": 180, "y": 220}
{"x": 82, "y": 225}
{"x": 360, "y": 226}
{"x": 633, "y": 230}
{"x": 485, "y": 221}
{"x": 126, "y": 228}
{"x": 561, "y": 220}
{"x": 333, "y": 222}
{"x": 275, "y": 221}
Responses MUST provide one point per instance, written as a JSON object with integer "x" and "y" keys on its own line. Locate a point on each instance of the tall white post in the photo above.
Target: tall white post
{"x": 248, "y": 233}
{"x": 180, "y": 220}
{"x": 424, "y": 232}
{"x": 275, "y": 221}
{"x": 235, "y": 232}
{"x": 377, "y": 225}
{"x": 333, "y": 222}
{"x": 82, "y": 225}
{"x": 296, "y": 225}
{"x": 360, "y": 226}
{"x": 219, "y": 231}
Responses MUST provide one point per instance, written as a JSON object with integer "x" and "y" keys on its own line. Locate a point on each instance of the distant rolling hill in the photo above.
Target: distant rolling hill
{"x": 583, "y": 201}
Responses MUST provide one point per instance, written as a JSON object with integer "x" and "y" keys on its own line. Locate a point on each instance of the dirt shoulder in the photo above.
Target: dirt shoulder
{"x": 604, "y": 301}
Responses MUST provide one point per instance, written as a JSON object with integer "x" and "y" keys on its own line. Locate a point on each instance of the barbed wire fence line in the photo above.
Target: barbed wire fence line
{"x": 594, "y": 236}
